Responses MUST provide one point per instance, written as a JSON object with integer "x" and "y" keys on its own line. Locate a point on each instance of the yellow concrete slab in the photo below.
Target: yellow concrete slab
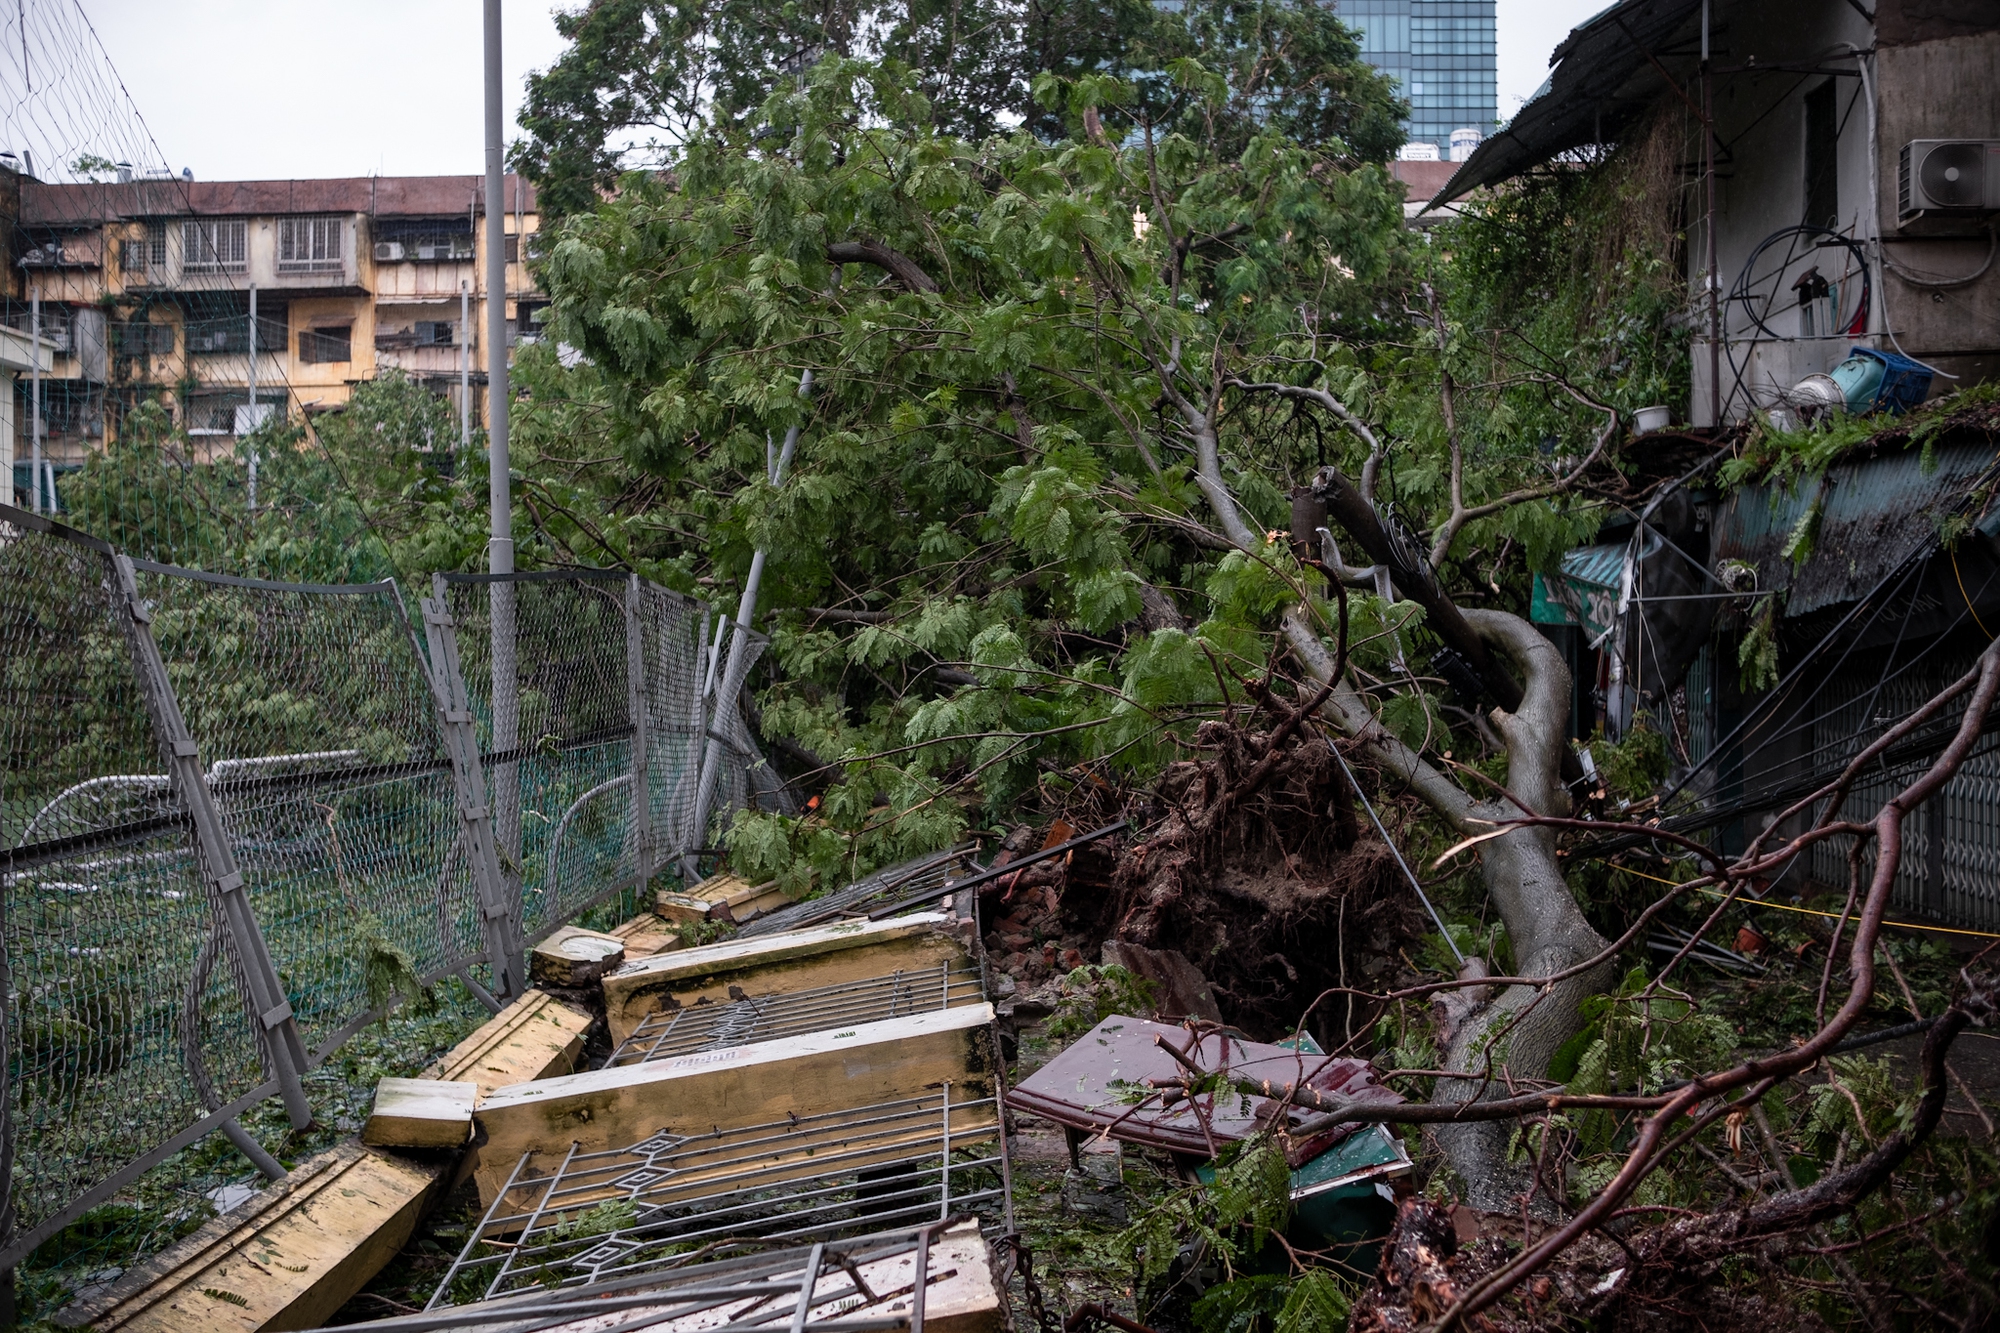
{"x": 420, "y": 1113}
{"x": 286, "y": 1259}
{"x": 769, "y": 964}
{"x": 742, "y": 1085}
{"x": 721, "y": 898}
{"x": 572, "y": 956}
{"x": 537, "y": 1036}
{"x": 647, "y": 934}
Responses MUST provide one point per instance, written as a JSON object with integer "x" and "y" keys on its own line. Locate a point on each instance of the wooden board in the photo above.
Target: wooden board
{"x": 420, "y": 1113}
{"x": 743, "y": 1085}
{"x": 537, "y": 1036}
{"x": 962, "y": 1296}
{"x": 768, "y": 964}
{"x": 572, "y": 956}
{"x": 647, "y": 934}
{"x": 721, "y": 898}
{"x": 286, "y": 1259}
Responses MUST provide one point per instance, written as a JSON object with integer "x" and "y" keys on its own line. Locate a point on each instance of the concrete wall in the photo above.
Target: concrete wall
{"x": 1769, "y": 57}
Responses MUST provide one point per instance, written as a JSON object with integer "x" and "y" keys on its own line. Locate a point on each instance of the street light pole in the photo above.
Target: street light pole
{"x": 500, "y": 544}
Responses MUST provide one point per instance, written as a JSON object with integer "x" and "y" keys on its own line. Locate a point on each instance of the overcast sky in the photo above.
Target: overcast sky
{"x": 245, "y": 89}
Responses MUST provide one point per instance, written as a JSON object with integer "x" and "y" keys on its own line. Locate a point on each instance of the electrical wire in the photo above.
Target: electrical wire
{"x": 1761, "y": 904}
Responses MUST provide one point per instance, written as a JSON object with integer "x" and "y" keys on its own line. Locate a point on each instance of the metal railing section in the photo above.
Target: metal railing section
{"x": 747, "y": 1019}
{"x": 671, "y": 1200}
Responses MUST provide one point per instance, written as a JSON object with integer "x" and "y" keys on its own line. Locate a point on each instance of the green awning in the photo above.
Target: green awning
{"x": 1586, "y": 592}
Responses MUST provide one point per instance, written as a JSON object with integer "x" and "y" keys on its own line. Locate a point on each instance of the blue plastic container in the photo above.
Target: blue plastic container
{"x": 1882, "y": 381}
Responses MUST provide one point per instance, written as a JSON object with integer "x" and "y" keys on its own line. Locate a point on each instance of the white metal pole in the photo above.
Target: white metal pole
{"x": 35, "y": 402}
{"x": 500, "y": 544}
{"x": 739, "y": 643}
{"x": 464, "y": 369}
{"x": 253, "y": 398}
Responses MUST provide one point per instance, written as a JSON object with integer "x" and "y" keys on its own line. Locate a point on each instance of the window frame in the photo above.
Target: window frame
{"x": 313, "y": 342}
{"x": 215, "y": 245}
{"x": 313, "y": 243}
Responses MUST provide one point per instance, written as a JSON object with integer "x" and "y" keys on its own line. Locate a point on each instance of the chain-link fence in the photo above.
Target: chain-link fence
{"x": 243, "y": 818}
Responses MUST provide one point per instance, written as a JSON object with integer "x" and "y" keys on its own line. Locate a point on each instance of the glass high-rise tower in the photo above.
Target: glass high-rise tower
{"x": 1441, "y": 52}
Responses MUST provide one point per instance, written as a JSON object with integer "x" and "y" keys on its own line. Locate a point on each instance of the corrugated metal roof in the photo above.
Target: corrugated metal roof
{"x": 1601, "y": 79}
{"x": 1875, "y": 514}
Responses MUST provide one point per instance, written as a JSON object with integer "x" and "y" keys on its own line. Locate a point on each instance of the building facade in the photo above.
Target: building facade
{"x": 1442, "y": 55}
{"x": 146, "y": 290}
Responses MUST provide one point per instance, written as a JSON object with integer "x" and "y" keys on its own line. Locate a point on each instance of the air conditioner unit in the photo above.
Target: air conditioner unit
{"x": 1948, "y": 177}
{"x": 388, "y": 252}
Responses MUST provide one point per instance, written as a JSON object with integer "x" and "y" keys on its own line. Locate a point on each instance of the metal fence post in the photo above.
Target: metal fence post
{"x": 279, "y": 1034}
{"x": 499, "y": 917}
{"x": 640, "y": 703}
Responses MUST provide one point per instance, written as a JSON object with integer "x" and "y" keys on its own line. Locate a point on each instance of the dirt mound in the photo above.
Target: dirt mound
{"x": 1253, "y": 866}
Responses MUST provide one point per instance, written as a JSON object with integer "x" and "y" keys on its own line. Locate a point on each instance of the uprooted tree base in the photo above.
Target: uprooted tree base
{"x": 1255, "y": 865}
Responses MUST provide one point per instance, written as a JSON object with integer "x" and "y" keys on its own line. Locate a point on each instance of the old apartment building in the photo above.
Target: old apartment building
{"x": 147, "y": 286}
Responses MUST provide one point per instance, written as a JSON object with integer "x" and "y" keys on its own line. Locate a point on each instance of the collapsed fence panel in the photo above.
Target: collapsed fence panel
{"x": 130, "y": 1030}
{"x": 234, "y": 829}
{"x": 317, "y": 726}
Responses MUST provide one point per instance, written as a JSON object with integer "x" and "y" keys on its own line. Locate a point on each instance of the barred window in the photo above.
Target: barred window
{"x": 310, "y": 245}
{"x": 320, "y": 346}
{"x": 213, "y": 245}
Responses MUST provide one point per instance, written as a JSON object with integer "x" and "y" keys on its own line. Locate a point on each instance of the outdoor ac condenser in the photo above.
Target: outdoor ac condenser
{"x": 388, "y": 252}
{"x": 1948, "y": 177}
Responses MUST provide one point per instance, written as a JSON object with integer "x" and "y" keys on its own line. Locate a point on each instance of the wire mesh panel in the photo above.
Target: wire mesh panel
{"x": 560, "y": 770}
{"x": 574, "y": 1219}
{"x": 318, "y": 732}
{"x": 673, "y": 651}
{"x": 126, "y": 1026}
{"x": 745, "y": 1019}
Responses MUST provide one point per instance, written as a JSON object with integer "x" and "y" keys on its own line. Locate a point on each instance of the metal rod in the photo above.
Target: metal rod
{"x": 1714, "y": 278}
{"x": 464, "y": 369}
{"x": 251, "y": 469}
{"x": 1395, "y": 851}
{"x": 35, "y": 371}
{"x": 806, "y": 1289}
{"x": 951, "y": 886}
{"x": 272, "y": 1010}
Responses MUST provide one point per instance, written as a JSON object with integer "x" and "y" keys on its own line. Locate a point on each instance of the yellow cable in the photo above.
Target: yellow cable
{"x": 1968, "y": 600}
{"x": 1809, "y": 911}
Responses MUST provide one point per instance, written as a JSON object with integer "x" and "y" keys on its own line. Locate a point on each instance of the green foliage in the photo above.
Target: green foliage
{"x": 387, "y": 972}
{"x": 1634, "y": 766}
{"x": 1229, "y": 1219}
{"x": 1092, "y": 993}
{"x": 1638, "y": 1041}
{"x": 1757, "y": 654}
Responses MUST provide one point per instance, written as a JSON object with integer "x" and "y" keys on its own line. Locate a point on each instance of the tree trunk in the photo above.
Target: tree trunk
{"x": 1521, "y": 1029}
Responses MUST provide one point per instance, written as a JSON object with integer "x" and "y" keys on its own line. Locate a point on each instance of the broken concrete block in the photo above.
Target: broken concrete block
{"x": 1179, "y": 989}
{"x": 611, "y": 1109}
{"x": 287, "y": 1258}
{"x": 647, "y": 934}
{"x": 721, "y": 898}
{"x": 421, "y": 1113}
{"x": 797, "y": 960}
{"x": 573, "y": 957}
{"x": 537, "y": 1036}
